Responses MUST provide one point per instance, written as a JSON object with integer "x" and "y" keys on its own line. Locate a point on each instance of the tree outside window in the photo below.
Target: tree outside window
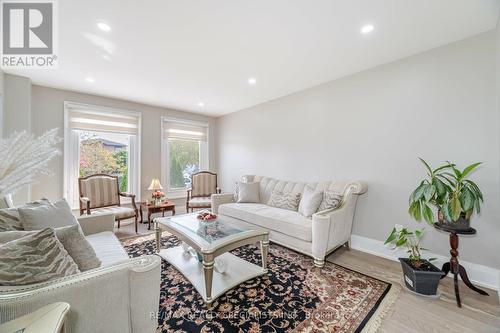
{"x": 184, "y": 160}
{"x": 104, "y": 153}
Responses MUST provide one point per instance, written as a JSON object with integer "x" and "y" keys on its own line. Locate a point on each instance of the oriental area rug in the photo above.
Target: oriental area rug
{"x": 294, "y": 296}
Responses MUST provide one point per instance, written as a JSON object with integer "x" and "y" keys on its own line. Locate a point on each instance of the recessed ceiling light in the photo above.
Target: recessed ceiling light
{"x": 103, "y": 26}
{"x": 106, "y": 57}
{"x": 201, "y": 104}
{"x": 252, "y": 81}
{"x": 366, "y": 29}
{"x": 90, "y": 80}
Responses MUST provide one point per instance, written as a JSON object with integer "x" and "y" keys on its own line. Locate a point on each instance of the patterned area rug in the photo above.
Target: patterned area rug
{"x": 294, "y": 296}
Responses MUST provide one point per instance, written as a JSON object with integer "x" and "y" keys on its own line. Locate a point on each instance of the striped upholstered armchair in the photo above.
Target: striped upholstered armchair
{"x": 100, "y": 193}
{"x": 203, "y": 185}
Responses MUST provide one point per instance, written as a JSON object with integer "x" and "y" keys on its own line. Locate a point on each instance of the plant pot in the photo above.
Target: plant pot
{"x": 424, "y": 280}
{"x": 461, "y": 224}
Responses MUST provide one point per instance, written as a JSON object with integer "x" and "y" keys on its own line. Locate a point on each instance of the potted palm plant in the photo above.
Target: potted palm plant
{"x": 420, "y": 275}
{"x": 448, "y": 189}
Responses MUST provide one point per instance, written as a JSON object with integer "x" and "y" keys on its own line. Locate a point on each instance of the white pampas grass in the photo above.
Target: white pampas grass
{"x": 23, "y": 157}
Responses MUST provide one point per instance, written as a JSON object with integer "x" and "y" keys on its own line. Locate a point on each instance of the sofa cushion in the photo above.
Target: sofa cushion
{"x": 248, "y": 192}
{"x": 285, "y": 221}
{"x": 331, "y": 200}
{"x": 283, "y": 200}
{"x": 38, "y": 217}
{"x": 108, "y": 248}
{"x": 78, "y": 247}
{"x": 120, "y": 212}
{"x": 34, "y": 258}
{"x": 310, "y": 201}
{"x": 9, "y": 220}
{"x": 71, "y": 238}
{"x": 200, "y": 202}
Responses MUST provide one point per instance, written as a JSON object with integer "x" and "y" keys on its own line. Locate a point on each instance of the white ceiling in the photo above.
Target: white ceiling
{"x": 178, "y": 53}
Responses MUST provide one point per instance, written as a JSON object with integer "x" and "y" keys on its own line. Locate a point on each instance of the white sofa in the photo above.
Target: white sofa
{"x": 120, "y": 296}
{"x": 316, "y": 236}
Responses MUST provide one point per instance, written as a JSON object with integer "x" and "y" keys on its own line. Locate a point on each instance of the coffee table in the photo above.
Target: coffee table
{"x": 211, "y": 240}
{"x": 160, "y": 208}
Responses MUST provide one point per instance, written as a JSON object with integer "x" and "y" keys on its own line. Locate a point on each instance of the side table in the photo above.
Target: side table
{"x": 160, "y": 208}
{"x": 48, "y": 319}
{"x": 453, "y": 265}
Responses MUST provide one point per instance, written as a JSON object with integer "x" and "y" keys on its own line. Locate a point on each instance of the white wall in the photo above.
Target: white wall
{"x": 1, "y": 102}
{"x": 373, "y": 126}
{"x": 17, "y": 114}
{"x": 48, "y": 112}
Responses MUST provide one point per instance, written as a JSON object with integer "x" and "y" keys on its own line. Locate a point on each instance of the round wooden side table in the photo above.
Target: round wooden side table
{"x": 453, "y": 265}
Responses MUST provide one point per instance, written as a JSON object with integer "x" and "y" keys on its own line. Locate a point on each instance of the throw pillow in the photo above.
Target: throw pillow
{"x": 35, "y": 258}
{"x": 236, "y": 191}
{"x": 9, "y": 217}
{"x": 310, "y": 201}
{"x": 331, "y": 200}
{"x": 283, "y": 200}
{"x": 73, "y": 240}
{"x": 47, "y": 216}
{"x": 9, "y": 220}
{"x": 78, "y": 247}
{"x": 248, "y": 192}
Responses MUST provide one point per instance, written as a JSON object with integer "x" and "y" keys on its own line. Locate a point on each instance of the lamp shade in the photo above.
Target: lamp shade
{"x": 155, "y": 185}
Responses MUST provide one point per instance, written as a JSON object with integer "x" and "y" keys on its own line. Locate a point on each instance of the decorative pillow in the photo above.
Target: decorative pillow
{"x": 236, "y": 191}
{"x": 283, "y": 200}
{"x": 9, "y": 217}
{"x": 9, "y": 220}
{"x": 248, "y": 192}
{"x": 310, "y": 201}
{"x": 47, "y": 216}
{"x": 34, "y": 258}
{"x": 73, "y": 240}
{"x": 331, "y": 199}
{"x": 78, "y": 247}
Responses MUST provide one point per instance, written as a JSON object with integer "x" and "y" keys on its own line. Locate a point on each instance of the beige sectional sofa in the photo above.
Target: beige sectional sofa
{"x": 119, "y": 296}
{"x": 316, "y": 236}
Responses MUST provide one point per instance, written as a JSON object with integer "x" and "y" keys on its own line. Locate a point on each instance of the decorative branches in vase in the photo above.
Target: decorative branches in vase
{"x": 23, "y": 157}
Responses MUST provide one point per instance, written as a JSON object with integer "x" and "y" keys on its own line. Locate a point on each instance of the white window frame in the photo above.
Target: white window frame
{"x": 69, "y": 181}
{"x": 165, "y": 153}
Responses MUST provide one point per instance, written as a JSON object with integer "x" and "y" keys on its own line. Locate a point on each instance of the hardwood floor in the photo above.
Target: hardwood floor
{"x": 415, "y": 314}
{"x": 410, "y": 313}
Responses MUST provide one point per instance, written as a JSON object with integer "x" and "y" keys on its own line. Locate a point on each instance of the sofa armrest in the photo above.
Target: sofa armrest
{"x": 219, "y": 199}
{"x": 95, "y": 223}
{"x": 332, "y": 228}
{"x": 102, "y": 300}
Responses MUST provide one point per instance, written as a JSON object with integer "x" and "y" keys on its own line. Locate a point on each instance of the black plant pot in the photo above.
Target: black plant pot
{"x": 424, "y": 280}
{"x": 461, "y": 224}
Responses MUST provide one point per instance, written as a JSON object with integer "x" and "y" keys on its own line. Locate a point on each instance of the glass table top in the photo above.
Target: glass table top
{"x": 206, "y": 231}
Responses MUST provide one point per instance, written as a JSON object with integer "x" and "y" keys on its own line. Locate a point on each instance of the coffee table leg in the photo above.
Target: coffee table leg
{"x": 158, "y": 236}
{"x": 208, "y": 270}
{"x": 264, "y": 247}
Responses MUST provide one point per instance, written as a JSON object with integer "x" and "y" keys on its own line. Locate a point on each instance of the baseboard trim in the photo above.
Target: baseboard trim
{"x": 480, "y": 275}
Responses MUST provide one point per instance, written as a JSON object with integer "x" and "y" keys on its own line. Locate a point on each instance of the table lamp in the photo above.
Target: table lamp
{"x": 156, "y": 187}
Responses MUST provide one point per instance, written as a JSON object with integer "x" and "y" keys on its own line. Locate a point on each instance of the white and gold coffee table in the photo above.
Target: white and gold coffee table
{"x": 212, "y": 240}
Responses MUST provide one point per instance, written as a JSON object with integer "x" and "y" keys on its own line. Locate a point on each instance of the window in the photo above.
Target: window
{"x": 184, "y": 152}
{"x": 103, "y": 152}
{"x": 101, "y": 140}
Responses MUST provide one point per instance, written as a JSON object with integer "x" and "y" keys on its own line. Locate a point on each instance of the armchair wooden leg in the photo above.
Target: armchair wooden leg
{"x": 118, "y": 224}
{"x": 135, "y": 222}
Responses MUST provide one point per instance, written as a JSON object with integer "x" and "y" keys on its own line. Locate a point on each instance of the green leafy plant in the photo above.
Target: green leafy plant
{"x": 402, "y": 236}
{"x": 448, "y": 189}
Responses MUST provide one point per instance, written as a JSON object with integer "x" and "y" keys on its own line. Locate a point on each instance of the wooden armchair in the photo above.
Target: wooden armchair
{"x": 203, "y": 185}
{"x": 101, "y": 193}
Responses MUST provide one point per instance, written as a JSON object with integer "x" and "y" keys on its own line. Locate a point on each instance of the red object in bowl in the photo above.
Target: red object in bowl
{"x": 206, "y": 216}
